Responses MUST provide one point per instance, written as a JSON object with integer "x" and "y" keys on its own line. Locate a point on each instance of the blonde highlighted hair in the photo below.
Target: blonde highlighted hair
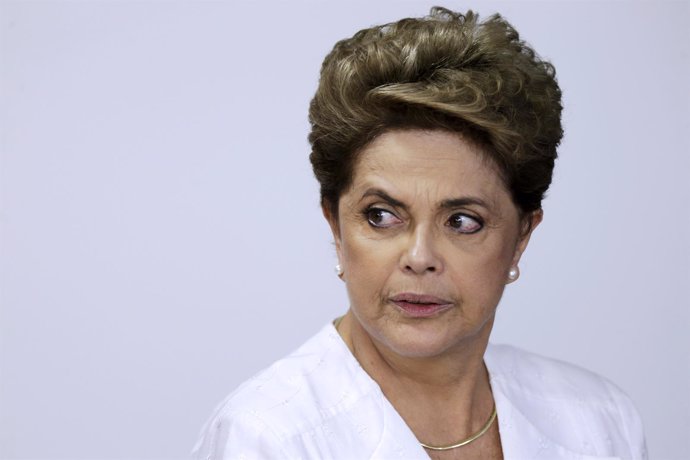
{"x": 443, "y": 71}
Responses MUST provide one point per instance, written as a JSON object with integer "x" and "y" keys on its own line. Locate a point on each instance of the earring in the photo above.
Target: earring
{"x": 338, "y": 270}
{"x": 513, "y": 274}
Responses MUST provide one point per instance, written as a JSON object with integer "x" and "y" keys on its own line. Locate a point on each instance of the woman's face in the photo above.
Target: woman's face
{"x": 426, "y": 236}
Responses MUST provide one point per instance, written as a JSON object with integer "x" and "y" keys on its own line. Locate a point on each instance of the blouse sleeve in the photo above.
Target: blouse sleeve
{"x": 632, "y": 424}
{"x": 241, "y": 436}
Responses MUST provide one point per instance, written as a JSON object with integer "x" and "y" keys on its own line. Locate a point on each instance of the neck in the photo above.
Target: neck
{"x": 443, "y": 398}
{"x": 457, "y": 375}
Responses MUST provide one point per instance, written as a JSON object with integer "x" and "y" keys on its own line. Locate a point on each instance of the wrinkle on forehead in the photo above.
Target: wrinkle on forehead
{"x": 446, "y": 170}
{"x": 450, "y": 139}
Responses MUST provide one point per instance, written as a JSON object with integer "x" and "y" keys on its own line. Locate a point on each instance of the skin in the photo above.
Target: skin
{"x": 427, "y": 214}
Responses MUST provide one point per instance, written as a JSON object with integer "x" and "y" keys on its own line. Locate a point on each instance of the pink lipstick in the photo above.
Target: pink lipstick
{"x": 420, "y": 305}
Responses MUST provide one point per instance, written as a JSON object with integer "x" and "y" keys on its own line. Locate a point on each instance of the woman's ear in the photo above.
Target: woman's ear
{"x": 527, "y": 225}
{"x": 332, "y": 220}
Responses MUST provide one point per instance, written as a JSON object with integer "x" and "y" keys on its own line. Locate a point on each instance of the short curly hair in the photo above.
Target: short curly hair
{"x": 443, "y": 71}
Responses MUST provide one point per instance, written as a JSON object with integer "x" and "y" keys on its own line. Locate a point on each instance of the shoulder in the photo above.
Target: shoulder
{"x": 537, "y": 373}
{"x": 568, "y": 403}
{"x": 266, "y": 416}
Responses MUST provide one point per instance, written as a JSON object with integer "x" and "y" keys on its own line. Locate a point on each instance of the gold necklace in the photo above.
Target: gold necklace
{"x": 464, "y": 442}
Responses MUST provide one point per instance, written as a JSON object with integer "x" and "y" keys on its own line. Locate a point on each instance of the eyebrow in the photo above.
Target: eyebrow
{"x": 445, "y": 204}
{"x": 384, "y": 196}
{"x": 458, "y": 202}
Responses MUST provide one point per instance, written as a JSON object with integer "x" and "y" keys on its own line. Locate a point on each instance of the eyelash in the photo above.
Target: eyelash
{"x": 479, "y": 223}
{"x": 370, "y": 212}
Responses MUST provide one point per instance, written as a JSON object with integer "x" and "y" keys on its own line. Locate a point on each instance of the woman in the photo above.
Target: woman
{"x": 433, "y": 141}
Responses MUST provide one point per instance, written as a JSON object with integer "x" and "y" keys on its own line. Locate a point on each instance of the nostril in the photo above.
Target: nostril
{"x": 409, "y": 268}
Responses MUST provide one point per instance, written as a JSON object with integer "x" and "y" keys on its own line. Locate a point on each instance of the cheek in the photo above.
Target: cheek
{"x": 368, "y": 265}
{"x": 481, "y": 272}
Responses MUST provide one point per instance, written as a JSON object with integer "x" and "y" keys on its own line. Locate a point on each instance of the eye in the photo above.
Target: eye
{"x": 462, "y": 223}
{"x": 381, "y": 218}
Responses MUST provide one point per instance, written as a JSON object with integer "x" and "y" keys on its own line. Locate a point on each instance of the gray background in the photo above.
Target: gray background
{"x": 161, "y": 239}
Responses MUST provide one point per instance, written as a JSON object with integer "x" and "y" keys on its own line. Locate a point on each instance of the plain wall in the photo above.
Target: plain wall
{"x": 161, "y": 239}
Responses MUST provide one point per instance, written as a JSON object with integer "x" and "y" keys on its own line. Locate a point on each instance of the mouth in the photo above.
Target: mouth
{"x": 420, "y": 305}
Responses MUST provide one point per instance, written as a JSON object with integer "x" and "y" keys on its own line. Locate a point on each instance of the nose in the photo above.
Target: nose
{"x": 420, "y": 255}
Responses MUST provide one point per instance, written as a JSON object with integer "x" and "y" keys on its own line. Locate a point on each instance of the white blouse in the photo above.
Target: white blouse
{"x": 318, "y": 403}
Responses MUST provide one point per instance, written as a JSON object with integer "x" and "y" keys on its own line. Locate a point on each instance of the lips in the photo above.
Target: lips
{"x": 420, "y": 305}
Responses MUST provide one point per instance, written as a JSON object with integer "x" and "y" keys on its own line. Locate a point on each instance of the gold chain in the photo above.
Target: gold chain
{"x": 464, "y": 442}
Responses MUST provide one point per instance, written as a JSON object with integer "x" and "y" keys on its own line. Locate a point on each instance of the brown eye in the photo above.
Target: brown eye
{"x": 462, "y": 223}
{"x": 380, "y": 218}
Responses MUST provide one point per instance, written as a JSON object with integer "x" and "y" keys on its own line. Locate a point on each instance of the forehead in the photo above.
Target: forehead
{"x": 434, "y": 162}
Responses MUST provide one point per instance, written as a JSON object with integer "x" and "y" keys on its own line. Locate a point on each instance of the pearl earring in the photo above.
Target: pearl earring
{"x": 338, "y": 270}
{"x": 513, "y": 274}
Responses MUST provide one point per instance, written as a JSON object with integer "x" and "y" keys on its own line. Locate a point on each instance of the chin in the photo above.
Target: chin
{"x": 428, "y": 338}
{"x": 416, "y": 350}
{"x": 412, "y": 341}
